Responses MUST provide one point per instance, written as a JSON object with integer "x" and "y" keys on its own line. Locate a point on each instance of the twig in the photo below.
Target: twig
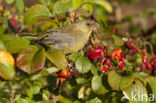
{"x": 151, "y": 47}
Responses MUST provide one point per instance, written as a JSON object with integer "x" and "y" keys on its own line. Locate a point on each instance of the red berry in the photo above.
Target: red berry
{"x": 105, "y": 64}
{"x": 97, "y": 53}
{"x": 117, "y": 54}
{"x": 153, "y": 62}
{"x": 64, "y": 74}
{"x": 120, "y": 64}
{"x": 13, "y": 22}
{"x": 145, "y": 60}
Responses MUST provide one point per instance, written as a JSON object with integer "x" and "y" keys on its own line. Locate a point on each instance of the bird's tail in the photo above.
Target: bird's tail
{"x": 29, "y": 35}
{"x": 40, "y": 35}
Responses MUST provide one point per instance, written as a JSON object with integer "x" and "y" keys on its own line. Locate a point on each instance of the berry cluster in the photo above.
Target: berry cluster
{"x": 106, "y": 57}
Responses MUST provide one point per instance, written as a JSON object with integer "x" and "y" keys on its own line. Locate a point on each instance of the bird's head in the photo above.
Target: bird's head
{"x": 88, "y": 25}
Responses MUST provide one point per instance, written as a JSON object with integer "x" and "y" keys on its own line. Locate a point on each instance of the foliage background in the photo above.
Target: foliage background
{"x": 118, "y": 18}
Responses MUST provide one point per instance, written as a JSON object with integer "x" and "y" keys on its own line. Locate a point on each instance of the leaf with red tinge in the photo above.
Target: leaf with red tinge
{"x": 7, "y": 62}
{"x": 31, "y": 61}
{"x": 34, "y": 12}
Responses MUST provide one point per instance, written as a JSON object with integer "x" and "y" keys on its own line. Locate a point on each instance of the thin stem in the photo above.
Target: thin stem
{"x": 140, "y": 40}
{"x": 151, "y": 47}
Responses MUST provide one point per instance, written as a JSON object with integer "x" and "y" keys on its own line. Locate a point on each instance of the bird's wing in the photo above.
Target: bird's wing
{"x": 59, "y": 39}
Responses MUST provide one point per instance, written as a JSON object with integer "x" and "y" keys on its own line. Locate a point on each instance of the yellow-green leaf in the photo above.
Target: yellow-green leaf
{"x": 136, "y": 93}
{"x": 2, "y": 46}
{"x": 19, "y": 44}
{"x": 97, "y": 86}
{"x": 7, "y": 70}
{"x": 105, "y": 4}
{"x": 36, "y": 11}
{"x": 117, "y": 81}
{"x": 57, "y": 58}
{"x": 20, "y": 5}
{"x": 83, "y": 64}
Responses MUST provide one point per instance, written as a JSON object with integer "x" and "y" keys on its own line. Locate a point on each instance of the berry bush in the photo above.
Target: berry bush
{"x": 112, "y": 67}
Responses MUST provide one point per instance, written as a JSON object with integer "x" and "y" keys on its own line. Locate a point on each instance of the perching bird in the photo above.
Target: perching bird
{"x": 69, "y": 38}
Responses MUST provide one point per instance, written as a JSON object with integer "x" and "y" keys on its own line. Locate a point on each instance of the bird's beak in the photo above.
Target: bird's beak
{"x": 94, "y": 27}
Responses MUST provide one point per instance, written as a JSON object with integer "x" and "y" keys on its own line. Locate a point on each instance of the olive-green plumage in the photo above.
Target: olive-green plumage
{"x": 69, "y": 38}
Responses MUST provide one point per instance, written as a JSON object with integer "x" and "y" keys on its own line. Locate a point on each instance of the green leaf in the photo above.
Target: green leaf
{"x": 35, "y": 12}
{"x": 95, "y": 100}
{"x": 57, "y": 58}
{"x": 51, "y": 70}
{"x": 20, "y": 5}
{"x": 2, "y": 46}
{"x": 77, "y": 101}
{"x": 31, "y": 61}
{"x": 94, "y": 70}
{"x": 19, "y": 44}
{"x": 34, "y": 89}
{"x": 127, "y": 81}
{"x": 81, "y": 80}
{"x": 64, "y": 99}
{"x": 141, "y": 75}
{"x": 135, "y": 91}
{"x": 81, "y": 92}
{"x": 73, "y": 56}
{"x": 76, "y": 3}
{"x": 114, "y": 79}
{"x": 9, "y": 1}
{"x": 7, "y": 70}
{"x": 45, "y": 95}
{"x": 5, "y": 21}
{"x": 21, "y": 100}
{"x": 6, "y": 38}
{"x": 152, "y": 82}
{"x": 119, "y": 82}
{"x": 45, "y": 2}
{"x": 153, "y": 38}
{"x": 105, "y": 4}
{"x": 2, "y": 29}
{"x": 97, "y": 86}
{"x": 61, "y": 7}
{"x": 83, "y": 64}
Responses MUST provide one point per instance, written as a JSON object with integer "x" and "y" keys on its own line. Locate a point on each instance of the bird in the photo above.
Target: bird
{"x": 69, "y": 38}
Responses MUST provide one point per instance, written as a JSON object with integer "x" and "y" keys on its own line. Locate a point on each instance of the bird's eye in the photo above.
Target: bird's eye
{"x": 88, "y": 24}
